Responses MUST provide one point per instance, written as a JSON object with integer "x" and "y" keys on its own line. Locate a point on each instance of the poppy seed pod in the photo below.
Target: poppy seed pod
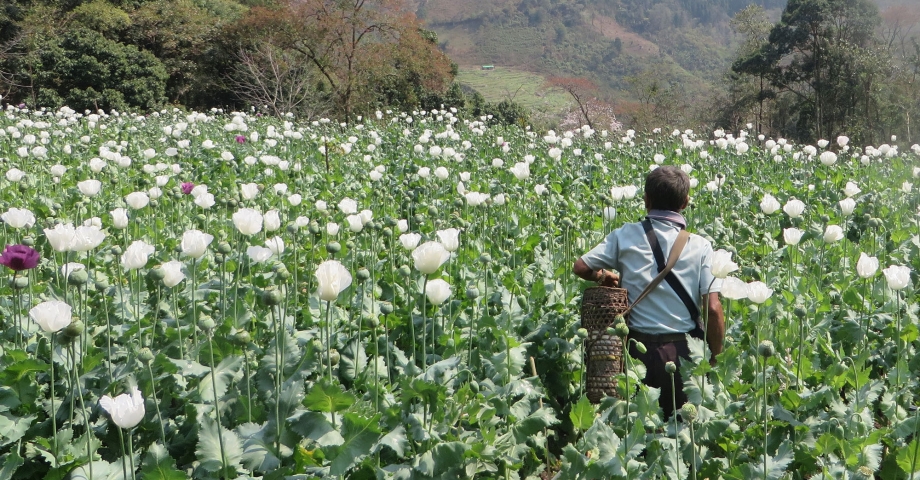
{"x": 670, "y": 367}
{"x": 688, "y": 412}
{"x": 271, "y": 297}
{"x": 766, "y": 349}
{"x": 145, "y": 355}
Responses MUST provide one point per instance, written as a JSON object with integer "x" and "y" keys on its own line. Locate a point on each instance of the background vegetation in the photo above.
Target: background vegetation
{"x": 804, "y": 70}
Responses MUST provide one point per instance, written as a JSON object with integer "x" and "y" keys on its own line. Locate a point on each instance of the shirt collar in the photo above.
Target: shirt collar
{"x": 669, "y": 216}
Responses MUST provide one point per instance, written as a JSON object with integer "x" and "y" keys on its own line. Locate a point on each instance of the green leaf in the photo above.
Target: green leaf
{"x": 353, "y": 361}
{"x": 582, "y": 414}
{"x": 18, "y": 370}
{"x": 13, "y": 428}
{"x": 441, "y": 458}
{"x": 11, "y": 462}
{"x": 360, "y": 436}
{"x": 158, "y": 465}
{"x": 224, "y": 374}
{"x": 324, "y": 397}
{"x": 909, "y": 457}
{"x": 103, "y": 470}
{"x": 209, "y": 447}
{"x": 396, "y": 440}
{"x": 258, "y": 451}
{"x": 316, "y": 427}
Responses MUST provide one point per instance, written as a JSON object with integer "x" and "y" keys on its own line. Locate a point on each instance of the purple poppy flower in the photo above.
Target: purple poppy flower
{"x": 240, "y": 139}
{"x": 19, "y": 257}
{"x": 187, "y": 187}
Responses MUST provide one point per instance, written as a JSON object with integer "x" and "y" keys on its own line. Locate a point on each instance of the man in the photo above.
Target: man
{"x": 661, "y": 320}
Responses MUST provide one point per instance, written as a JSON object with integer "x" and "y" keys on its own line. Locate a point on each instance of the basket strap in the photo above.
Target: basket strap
{"x": 682, "y": 238}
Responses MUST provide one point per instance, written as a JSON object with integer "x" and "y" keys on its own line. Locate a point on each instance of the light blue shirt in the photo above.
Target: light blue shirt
{"x": 627, "y": 251}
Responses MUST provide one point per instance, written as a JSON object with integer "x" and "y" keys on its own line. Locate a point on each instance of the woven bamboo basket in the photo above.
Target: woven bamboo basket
{"x": 603, "y": 353}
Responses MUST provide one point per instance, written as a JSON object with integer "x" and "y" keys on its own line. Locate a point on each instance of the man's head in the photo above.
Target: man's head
{"x": 667, "y": 188}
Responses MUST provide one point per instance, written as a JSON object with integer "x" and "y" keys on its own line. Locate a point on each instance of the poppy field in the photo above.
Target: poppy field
{"x": 229, "y": 295}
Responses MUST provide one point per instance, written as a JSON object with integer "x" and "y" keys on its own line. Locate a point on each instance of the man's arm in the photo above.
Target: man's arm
{"x": 715, "y": 329}
{"x": 603, "y": 277}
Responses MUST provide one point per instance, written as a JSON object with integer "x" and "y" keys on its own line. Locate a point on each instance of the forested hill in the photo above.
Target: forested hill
{"x": 678, "y": 50}
{"x": 687, "y": 40}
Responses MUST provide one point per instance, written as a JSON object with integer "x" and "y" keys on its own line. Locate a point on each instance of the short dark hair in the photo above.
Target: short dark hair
{"x": 667, "y": 188}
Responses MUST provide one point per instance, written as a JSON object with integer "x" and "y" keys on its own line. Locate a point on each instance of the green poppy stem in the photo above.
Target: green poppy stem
{"x": 220, "y": 433}
{"x": 156, "y": 404}
{"x": 425, "y": 323}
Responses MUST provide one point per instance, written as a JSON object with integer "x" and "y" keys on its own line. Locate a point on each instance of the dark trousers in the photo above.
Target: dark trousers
{"x": 655, "y": 358}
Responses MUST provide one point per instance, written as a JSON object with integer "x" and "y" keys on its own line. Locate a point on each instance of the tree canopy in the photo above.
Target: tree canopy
{"x": 319, "y": 56}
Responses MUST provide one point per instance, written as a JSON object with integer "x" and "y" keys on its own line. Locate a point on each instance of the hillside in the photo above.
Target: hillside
{"x": 624, "y": 46}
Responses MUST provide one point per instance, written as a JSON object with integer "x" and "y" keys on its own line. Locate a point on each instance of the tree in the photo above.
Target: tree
{"x": 275, "y": 79}
{"x": 660, "y": 103}
{"x": 814, "y": 53}
{"x": 356, "y": 47}
{"x": 583, "y": 91}
{"x": 752, "y": 23}
{"x": 85, "y": 70}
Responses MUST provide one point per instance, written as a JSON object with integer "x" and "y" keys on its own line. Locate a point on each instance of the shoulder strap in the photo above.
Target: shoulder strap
{"x": 663, "y": 272}
{"x": 672, "y": 280}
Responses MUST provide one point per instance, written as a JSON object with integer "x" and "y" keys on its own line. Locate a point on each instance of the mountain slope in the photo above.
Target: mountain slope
{"x": 621, "y": 45}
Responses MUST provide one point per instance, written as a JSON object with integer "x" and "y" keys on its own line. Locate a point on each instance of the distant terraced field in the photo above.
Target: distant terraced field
{"x": 523, "y": 87}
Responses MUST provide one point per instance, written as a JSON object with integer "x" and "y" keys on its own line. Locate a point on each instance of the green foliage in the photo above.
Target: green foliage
{"x": 85, "y": 70}
{"x": 101, "y": 16}
{"x": 821, "y": 67}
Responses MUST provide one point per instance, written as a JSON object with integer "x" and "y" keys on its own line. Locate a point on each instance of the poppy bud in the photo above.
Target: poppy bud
{"x": 640, "y": 347}
{"x": 116, "y": 250}
{"x": 582, "y": 332}
{"x": 622, "y": 330}
{"x": 799, "y": 312}
{"x": 154, "y": 274}
{"x": 611, "y": 331}
{"x": 284, "y": 274}
{"x": 224, "y": 248}
{"x": 670, "y": 367}
{"x": 485, "y": 258}
{"x": 433, "y": 211}
{"x": 405, "y": 271}
{"x": 20, "y": 283}
{"x": 387, "y": 232}
{"x": 333, "y": 247}
{"x": 334, "y": 356}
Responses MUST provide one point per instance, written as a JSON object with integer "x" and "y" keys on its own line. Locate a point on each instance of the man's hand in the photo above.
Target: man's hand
{"x": 608, "y": 279}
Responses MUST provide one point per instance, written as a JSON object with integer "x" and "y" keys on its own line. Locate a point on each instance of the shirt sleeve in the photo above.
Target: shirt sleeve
{"x": 604, "y": 255}
{"x": 708, "y": 283}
